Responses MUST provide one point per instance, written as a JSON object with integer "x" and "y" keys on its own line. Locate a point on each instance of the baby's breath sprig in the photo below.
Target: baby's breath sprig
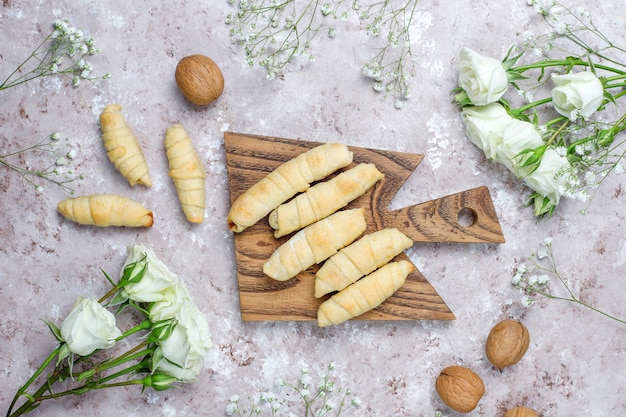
{"x": 59, "y": 173}
{"x": 65, "y": 51}
{"x": 533, "y": 280}
{"x": 318, "y": 400}
{"x": 394, "y": 62}
{"x": 275, "y": 33}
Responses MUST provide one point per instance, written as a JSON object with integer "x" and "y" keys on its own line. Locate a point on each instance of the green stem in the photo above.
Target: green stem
{"x": 130, "y": 355}
{"x": 582, "y": 303}
{"x": 111, "y": 292}
{"x": 101, "y": 383}
{"x": 533, "y": 104}
{"x": 5, "y": 84}
{"x": 557, "y": 132}
{"x": 24, "y": 388}
{"x": 563, "y": 62}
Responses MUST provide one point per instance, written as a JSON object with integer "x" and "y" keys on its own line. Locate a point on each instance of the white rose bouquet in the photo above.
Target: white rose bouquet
{"x": 174, "y": 338}
{"x": 557, "y": 145}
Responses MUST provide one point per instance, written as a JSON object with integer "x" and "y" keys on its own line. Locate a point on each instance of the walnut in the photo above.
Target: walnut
{"x": 199, "y": 79}
{"x": 507, "y": 342}
{"x": 460, "y": 388}
{"x": 520, "y": 412}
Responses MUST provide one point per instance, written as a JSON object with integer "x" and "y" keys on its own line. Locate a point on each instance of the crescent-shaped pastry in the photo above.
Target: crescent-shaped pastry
{"x": 187, "y": 172}
{"x": 290, "y": 178}
{"x": 364, "y": 295}
{"x": 323, "y": 199}
{"x": 105, "y": 210}
{"x": 359, "y": 259}
{"x": 123, "y": 147}
{"x": 315, "y": 243}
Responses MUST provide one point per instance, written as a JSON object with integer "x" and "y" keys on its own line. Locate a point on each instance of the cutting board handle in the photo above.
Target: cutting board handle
{"x": 468, "y": 216}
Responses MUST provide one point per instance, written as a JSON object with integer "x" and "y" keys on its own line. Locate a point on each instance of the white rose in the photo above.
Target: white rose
{"x": 484, "y": 126}
{"x": 156, "y": 280}
{"x": 548, "y": 180}
{"x": 174, "y": 298}
{"x": 517, "y": 136}
{"x": 180, "y": 355}
{"x": 197, "y": 327}
{"x": 88, "y": 327}
{"x": 483, "y": 78}
{"x": 188, "y": 373}
{"x": 577, "y": 94}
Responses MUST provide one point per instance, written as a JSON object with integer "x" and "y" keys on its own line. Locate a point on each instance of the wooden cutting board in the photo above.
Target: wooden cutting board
{"x": 250, "y": 157}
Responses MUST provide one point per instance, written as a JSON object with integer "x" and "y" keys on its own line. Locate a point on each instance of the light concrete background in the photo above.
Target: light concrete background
{"x": 575, "y": 364}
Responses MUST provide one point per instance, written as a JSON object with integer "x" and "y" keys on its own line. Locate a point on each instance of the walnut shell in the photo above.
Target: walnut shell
{"x": 460, "y": 388}
{"x": 520, "y": 412}
{"x": 507, "y": 342}
{"x": 199, "y": 79}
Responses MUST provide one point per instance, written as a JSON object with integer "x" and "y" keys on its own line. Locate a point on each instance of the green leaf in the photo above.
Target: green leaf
{"x": 530, "y": 158}
{"x": 513, "y": 76}
{"x": 609, "y": 97}
{"x": 119, "y": 298}
{"x": 134, "y": 272}
{"x": 542, "y": 207}
{"x": 162, "y": 330}
{"x": 108, "y": 277}
{"x": 55, "y": 330}
{"x": 508, "y": 63}
{"x": 64, "y": 352}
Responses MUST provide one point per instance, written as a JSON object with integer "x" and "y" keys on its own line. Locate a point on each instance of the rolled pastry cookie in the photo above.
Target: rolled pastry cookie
{"x": 123, "y": 147}
{"x": 105, "y": 210}
{"x": 187, "y": 172}
{"x": 359, "y": 259}
{"x": 290, "y": 178}
{"x": 314, "y": 244}
{"x": 323, "y": 199}
{"x": 364, "y": 295}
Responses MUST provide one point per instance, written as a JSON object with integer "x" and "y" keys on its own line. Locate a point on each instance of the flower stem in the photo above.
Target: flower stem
{"x": 548, "y": 63}
{"x": 577, "y": 301}
{"x": 22, "y": 391}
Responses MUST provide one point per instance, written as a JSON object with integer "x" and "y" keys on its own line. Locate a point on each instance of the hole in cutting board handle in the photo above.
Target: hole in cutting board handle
{"x": 466, "y": 217}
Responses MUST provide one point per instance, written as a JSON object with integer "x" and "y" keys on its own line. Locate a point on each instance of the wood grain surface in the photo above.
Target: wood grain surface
{"x": 250, "y": 157}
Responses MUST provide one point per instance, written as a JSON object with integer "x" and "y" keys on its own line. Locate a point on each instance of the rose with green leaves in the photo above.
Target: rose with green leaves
{"x": 549, "y": 179}
{"x": 517, "y": 137}
{"x": 172, "y": 337}
{"x": 154, "y": 281}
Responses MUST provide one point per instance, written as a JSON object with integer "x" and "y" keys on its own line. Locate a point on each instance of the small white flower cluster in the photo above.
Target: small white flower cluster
{"x": 60, "y": 173}
{"x": 70, "y": 42}
{"x": 323, "y": 393}
{"x": 274, "y": 34}
{"x": 533, "y": 281}
{"x": 65, "y": 51}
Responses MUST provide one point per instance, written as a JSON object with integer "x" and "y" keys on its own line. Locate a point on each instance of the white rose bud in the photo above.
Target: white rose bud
{"x": 548, "y": 180}
{"x": 577, "y": 94}
{"x": 88, "y": 327}
{"x": 517, "y": 137}
{"x": 156, "y": 280}
{"x": 484, "y": 126}
{"x": 483, "y": 78}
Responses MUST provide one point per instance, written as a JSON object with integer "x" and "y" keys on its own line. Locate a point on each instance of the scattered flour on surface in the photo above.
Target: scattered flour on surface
{"x": 440, "y": 128}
